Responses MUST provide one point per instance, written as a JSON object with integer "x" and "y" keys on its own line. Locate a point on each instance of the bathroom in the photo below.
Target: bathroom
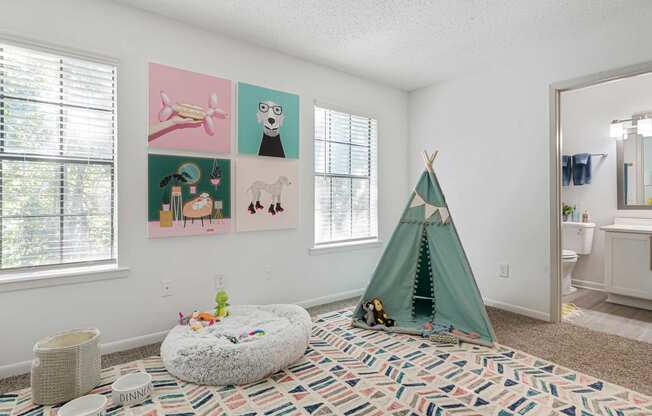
{"x": 606, "y": 194}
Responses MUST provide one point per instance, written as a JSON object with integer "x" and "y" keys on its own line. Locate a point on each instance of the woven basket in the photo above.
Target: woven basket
{"x": 65, "y": 366}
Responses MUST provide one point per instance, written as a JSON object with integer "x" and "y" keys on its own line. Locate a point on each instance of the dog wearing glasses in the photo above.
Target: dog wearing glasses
{"x": 271, "y": 116}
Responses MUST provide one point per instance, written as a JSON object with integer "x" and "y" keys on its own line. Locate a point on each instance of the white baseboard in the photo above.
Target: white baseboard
{"x": 24, "y": 367}
{"x": 323, "y": 300}
{"x": 543, "y": 316}
{"x": 630, "y": 301}
{"x": 587, "y": 284}
{"x": 15, "y": 369}
{"x": 135, "y": 342}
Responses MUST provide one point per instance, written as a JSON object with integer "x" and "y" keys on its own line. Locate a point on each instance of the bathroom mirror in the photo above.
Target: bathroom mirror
{"x": 634, "y": 172}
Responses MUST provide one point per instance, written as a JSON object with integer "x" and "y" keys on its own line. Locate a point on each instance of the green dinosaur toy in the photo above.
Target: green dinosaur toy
{"x": 221, "y": 304}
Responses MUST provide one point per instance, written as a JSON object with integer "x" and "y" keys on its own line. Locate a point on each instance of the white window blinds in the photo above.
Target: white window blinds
{"x": 345, "y": 177}
{"x": 57, "y": 164}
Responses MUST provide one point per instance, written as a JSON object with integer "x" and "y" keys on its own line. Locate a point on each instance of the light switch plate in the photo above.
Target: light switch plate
{"x": 220, "y": 282}
{"x": 503, "y": 270}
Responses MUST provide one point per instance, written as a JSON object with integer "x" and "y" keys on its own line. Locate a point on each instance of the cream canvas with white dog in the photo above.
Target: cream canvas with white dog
{"x": 267, "y": 194}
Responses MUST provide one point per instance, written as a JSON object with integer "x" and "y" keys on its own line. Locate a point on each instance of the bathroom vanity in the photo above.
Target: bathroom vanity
{"x": 628, "y": 262}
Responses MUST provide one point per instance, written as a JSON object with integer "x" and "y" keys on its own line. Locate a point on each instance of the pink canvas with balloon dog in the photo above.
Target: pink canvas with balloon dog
{"x": 188, "y": 110}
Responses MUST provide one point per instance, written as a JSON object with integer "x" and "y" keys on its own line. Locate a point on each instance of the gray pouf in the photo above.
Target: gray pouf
{"x": 209, "y": 357}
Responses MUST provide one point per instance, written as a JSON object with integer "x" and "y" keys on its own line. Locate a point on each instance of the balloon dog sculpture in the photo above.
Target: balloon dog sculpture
{"x": 192, "y": 111}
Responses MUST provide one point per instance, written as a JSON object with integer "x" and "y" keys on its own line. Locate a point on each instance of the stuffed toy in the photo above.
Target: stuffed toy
{"x": 369, "y": 317}
{"x": 380, "y": 316}
{"x": 198, "y": 320}
{"x": 221, "y": 304}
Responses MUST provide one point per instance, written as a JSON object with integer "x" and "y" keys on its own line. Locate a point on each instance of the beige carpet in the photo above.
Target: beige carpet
{"x": 618, "y": 360}
{"x": 615, "y": 359}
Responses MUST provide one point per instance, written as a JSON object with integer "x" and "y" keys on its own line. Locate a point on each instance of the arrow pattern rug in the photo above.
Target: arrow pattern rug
{"x": 355, "y": 372}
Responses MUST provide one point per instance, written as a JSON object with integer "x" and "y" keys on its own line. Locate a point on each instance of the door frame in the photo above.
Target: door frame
{"x": 555, "y": 91}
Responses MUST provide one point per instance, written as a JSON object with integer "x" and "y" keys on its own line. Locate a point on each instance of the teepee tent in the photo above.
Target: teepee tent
{"x": 423, "y": 278}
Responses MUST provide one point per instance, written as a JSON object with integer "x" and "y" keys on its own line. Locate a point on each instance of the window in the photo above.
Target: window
{"x": 345, "y": 177}
{"x": 57, "y": 159}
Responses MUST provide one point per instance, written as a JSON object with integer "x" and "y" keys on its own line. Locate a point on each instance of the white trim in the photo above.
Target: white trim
{"x": 554, "y": 105}
{"x": 25, "y": 42}
{"x": 15, "y": 369}
{"x": 340, "y": 108}
{"x": 21, "y": 41}
{"x": 543, "y": 316}
{"x": 335, "y": 297}
{"x": 135, "y": 342}
{"x": 24, "y": 367}
{"x": 629, "y": 301}
{"x": 587, "y": 284}
{"x": 344, "y": 246}
{"x": 61, "y": 276}
{"x": 334, "y": 107}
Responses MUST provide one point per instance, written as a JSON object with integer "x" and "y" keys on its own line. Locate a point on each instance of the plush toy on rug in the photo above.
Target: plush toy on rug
{"x": 369, "y": 317}
{"x": 380, "y": 317}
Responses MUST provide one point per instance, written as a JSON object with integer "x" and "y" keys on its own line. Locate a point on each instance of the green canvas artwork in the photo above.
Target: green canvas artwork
{"x": 188, "y": 196}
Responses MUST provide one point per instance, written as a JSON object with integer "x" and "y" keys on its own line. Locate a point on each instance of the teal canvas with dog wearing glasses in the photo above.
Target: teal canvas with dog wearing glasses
{"x": 268, "y": 122}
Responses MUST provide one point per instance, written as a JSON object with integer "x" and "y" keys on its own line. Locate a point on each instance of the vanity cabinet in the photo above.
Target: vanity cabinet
{"x": 628, "y": 264}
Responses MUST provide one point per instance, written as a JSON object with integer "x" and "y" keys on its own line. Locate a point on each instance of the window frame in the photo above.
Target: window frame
{"x": 329, "y": 246}
{"x": 14, "y": 278}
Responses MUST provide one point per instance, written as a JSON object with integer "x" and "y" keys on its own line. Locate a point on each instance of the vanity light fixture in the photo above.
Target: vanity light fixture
{"x": 616, "y": 129}
{"x": 644, "y": 127}
{"x": 640, "y": 123}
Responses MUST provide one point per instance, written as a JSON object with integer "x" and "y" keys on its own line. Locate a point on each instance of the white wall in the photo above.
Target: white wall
{"x": 585, "y": 117}
{"x": 492, "y": 128}
{"x": 132, "y": 307}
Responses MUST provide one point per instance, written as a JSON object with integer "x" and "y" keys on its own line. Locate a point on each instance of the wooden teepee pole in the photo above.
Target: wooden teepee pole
{"x": 429, "y": 159}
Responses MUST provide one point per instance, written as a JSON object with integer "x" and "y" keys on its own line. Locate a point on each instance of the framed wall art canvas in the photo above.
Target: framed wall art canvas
{"x": 267, "y": 194}
{"x": 188, "y": 110}
{"x": 268, "y": 122}
{"x": 188, "y": 196}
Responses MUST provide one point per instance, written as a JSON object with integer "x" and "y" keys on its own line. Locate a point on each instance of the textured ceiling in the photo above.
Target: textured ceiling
{"x": 403, "y": 43}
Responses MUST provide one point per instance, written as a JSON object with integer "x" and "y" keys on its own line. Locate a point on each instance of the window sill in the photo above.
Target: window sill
{"x": 56, "y": 277}
{"x": 346, "y": 246}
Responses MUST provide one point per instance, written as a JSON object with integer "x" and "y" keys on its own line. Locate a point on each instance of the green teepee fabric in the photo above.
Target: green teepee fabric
{"x": 424, "y": 275}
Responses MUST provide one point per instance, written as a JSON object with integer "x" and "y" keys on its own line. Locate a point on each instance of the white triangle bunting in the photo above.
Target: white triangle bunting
{"x": 429, "y": 209}
{"x": 417, "y": 201}
{"x": 443, "y": 213}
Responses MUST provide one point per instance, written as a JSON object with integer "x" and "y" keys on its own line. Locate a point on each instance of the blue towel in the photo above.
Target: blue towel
{"x": 582, "y": 169}
{"x": 565, "y": 170}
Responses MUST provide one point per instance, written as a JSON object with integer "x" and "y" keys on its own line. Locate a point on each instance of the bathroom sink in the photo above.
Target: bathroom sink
{"x": 630, "y": 225}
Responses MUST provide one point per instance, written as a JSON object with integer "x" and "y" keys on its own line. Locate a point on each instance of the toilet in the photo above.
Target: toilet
{"x": 576, "y": 240}
{"x": 568, "y": 261}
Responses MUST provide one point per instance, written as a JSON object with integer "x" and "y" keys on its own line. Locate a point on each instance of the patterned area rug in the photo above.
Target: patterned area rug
{"x": 348, "y": 371}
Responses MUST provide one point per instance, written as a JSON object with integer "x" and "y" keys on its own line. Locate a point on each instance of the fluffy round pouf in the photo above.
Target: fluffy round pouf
{"x": 209, "y": 356}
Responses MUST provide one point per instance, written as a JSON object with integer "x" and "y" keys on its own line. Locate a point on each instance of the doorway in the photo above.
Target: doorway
{"x": 619, "y": 173}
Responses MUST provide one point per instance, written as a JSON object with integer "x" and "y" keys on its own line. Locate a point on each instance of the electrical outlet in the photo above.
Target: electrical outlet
{"x": 219, "y": 282}
{"x": 503, "y": 270}
{"x": 166, "y": 288}
{"x": 268, "y": 272}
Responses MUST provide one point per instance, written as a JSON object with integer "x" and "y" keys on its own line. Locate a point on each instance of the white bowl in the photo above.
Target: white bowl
{"x": 132, "y": 389}
{"x": 90, "y": 405}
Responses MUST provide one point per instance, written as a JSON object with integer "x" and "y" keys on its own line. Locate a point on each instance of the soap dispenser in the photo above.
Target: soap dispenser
{"x": 576, "y": 214}
{"x": 585, "y": 216}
